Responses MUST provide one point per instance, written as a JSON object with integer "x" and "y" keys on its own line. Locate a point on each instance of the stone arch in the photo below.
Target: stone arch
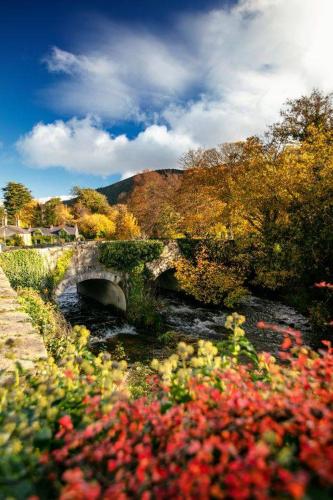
{"x": 102, "y": 286}
{"x": 166, "y": 279}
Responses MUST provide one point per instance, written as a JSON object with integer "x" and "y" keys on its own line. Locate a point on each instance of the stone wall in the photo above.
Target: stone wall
{"x": 17, "y": 335}
{"x": 166, "y": 260}
{"x": 52, "y": 254}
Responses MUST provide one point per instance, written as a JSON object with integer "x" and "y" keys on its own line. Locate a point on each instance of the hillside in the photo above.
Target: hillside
{"x": 119, "y": 190}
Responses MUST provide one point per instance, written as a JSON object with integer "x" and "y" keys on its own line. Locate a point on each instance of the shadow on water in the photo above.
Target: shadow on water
{"x": 183, "y": 316}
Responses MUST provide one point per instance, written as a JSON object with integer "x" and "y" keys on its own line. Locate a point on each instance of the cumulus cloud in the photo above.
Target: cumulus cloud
{"x": 83, "y": 146}
{"x": 217, "y": 76}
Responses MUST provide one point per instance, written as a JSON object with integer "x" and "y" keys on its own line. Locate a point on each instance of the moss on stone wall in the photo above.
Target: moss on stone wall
{"x": 29, "y": 269}
{"x": 62, "y": 264}
{"x": 126, "y": 255}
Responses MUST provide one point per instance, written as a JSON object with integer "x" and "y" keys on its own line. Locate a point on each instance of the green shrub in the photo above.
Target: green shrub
{"x": 46, "y": 318}
{"x": 15, "y": 241}
{"x": 25, "y": 269}
{"x": 126, "y": 255}
{"x": 142, "y": 305}
{"x": 41, "y": 313}
{"x": 35, "y": 405}
{"x": 60, "y": 269}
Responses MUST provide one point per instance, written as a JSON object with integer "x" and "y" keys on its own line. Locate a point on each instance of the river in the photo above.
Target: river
{"x": 181, "y": 315}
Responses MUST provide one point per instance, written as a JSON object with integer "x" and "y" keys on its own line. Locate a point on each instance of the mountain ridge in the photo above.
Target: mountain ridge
{"x": 120, "y": 189}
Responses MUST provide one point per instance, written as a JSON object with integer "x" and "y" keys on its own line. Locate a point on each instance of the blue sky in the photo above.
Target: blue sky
{"x": 93, "y": 91}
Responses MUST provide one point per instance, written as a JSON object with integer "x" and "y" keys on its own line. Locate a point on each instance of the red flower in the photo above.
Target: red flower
{"x": 69, "y": 373}
{"x": 66, "y": 422}
{"x": 73, "y": 475}
{"x": 286, "y": 344}
{"x": 324, "y": 284}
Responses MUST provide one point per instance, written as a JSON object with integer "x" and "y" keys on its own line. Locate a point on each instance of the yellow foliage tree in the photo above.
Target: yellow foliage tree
{"x": 96, "y": 226}
{"x": 209, "y": 281}
{"x": 27, "y": 214}
{"x": 127, "y": 227}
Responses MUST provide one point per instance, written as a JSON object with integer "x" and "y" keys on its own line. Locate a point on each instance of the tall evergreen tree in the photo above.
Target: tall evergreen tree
{"x": 16, "y": 196}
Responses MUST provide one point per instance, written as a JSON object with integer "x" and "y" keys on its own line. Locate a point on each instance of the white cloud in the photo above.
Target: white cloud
{"x": 82, "y": 146}
{"x": 217, "y": 76}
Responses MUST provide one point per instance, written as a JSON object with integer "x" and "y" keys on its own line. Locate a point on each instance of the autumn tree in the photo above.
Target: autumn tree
{"x": 96, "y": 226}
{"x": 127, "y": 227}
{"x": 29, "y": 214}
{"x": 16, "y": 195}
{"x": 55, "y": 213}
{"x": 211, "y": 275}
{"x": 204, "y": 199}
{"x": 90, "y": 201}
{"x": 152, "y": 202}
{"x": 298, "y": 116}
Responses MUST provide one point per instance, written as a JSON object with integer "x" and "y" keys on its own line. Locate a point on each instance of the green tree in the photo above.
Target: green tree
{"x": 2, "y": 214}
{"x": 16, "y": 196}
{"x": 49, "y": 211}
{"x": 91, "y": 200}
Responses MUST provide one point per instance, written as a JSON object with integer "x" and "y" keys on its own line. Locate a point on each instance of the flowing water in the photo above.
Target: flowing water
{"x": 181, "y": 315}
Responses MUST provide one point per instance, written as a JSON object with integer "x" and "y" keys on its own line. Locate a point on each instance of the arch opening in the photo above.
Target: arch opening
{"x": 103, "y": 291}
{"x": 167, "y": 281}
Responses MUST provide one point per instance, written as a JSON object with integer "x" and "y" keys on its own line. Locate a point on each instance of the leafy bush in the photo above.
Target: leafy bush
{"x": 214, "y": 271}
{"x": 210, "y": 281}
{"x": 41, "y": 313}
{"x": 28, "y": 269}
{"x": 37, "y": 407}
{"x": 24, "y": 268}
{"x": 15, "y": 241}
{"x": 142, "y": 305}
{"x": 213, "y": 428}
{"x": 41, "y": 239}
{"x": 46, "y": 318}
{"x": 126, "y": 255}
{"x": 198, "y": 425}
{"x": 61, "y": 267}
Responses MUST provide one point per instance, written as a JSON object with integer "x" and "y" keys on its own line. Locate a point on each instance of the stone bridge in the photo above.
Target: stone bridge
{"x": 93, "y": 279}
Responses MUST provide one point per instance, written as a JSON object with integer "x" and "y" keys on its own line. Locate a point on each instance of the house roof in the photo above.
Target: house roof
{"x": 68, "y": 229}
{"x": 45, "y": 231}
{"x": 10, "y": 230}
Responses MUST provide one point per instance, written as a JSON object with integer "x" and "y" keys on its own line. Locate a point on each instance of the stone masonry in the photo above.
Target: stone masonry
{"x": 17, "y": 335}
